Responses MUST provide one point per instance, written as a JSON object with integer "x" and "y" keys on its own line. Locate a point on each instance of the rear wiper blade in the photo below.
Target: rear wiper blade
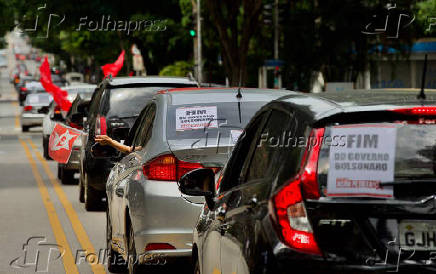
{"x": 408, "y": 182}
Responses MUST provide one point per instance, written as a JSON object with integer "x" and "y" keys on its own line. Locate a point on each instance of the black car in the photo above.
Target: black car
{"x": 332, "y": 182}
{"x": 114, "y": 106}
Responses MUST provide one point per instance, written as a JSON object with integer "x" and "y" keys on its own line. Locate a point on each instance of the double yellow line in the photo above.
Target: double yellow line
{"x": 68, "y": 259}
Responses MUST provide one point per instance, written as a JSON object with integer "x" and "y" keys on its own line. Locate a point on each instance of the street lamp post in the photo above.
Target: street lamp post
{"x": 199, "y": 61}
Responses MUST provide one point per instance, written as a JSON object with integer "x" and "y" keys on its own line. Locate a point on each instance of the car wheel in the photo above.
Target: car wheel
{"x": 45, "y": 140}
{"x": 91, "y": 196}
{"x": 25, "y": 128}
{"x": 81, "y": 191}
{"x": 115, "y": 263}
{"x": 59, "y": 171}
{"x": 132, "y": 260}
{"x": 67, "y": 176}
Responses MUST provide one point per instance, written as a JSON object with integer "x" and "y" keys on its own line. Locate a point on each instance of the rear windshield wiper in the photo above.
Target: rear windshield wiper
{"x": 409, "y": 182}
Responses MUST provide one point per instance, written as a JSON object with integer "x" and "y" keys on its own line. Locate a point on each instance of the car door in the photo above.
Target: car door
{"x": 211, "y": 255}
{"x": 247, "y": 201}
{"x": 121, "y": 170}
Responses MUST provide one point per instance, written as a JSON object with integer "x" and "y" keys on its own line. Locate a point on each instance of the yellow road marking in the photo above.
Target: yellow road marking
{"x": 78, "y": 228}
{"x": 216, "y": 271}
{"x": 61, "y": 239}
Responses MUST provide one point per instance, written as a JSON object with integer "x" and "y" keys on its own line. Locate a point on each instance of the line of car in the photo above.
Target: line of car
{"x": 198, "y": 184}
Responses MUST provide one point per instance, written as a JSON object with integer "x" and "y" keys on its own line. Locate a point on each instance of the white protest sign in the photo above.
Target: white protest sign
{"x": 198, "y": 117}
{"x": 366, "y": 159}
{"x": 234, "y": 135}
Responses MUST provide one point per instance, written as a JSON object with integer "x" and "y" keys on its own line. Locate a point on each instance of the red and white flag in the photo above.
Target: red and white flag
{"x": 115, "y": 67}
{"x": 59, "y": 95}
{"x": 61, "y": 143}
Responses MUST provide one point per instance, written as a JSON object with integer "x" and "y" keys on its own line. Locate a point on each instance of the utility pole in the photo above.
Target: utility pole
{"x": 199, "y": 59}
{"x": 277, "y": 77}
{"x": 276, "y": 29}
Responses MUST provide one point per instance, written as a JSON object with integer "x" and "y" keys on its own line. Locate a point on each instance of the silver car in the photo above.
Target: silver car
{"x": 148, "y": 219}
{"x": 34, "y": 110}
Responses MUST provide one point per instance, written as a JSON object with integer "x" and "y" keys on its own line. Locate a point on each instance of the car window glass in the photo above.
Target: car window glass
{"x": 145, "y": 133}
{"x": 231, "y": 177}
{"x": 274, "y": 138}
{"x": 139, "y": 126}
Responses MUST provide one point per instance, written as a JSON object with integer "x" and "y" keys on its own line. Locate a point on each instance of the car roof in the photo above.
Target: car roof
{"x": 80, "y": 86}
{"x": 197, "y": 95}
{"x": 321, "y": 105}
{"x": 137, "y": 80}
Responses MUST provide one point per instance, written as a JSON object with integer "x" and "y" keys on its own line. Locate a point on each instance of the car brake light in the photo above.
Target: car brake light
{"x": 158, "y": 246}
{"x": 23, "y": 89}
{"x": 167, "y": 168}
{"x": 100, "y": 125}
{"x": 416, "y": 111}
{"x": 290, "y": 212}
{"x": 74, "y": 125}
{"x": 57, "y": 109}
{"x": 28, "y": 108}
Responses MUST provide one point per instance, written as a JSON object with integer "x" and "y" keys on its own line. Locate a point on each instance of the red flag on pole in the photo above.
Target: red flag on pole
{"x": 61, "y": 143}
{"x": 114, "y": 68}
{"x": 59, "y": 95}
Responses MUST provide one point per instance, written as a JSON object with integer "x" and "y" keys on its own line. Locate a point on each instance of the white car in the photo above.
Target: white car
{"x": 34, "y": 110}
{"x": 55, "y": 114}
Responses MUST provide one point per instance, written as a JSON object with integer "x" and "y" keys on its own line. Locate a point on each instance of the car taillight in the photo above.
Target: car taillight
{"x": 158, "y": 246}
{"x": 74, "y": 125}
{"x": 416, "y": 111}
{"x": 100, "y": 125}
{"x": 23, "y": 89}
{"x": 57, "y": 110}
{"x": 28, "y": 108}
{"x": 167, "y": 168}
{"x": 290, "y": 212}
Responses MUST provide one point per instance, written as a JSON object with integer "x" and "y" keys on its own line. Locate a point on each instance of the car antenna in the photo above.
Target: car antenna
{"x": 239, "y": 96}
{"x": 421, "y": 94}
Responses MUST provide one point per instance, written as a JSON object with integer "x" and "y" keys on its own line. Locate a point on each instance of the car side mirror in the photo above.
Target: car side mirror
{"x": 120, "y": 133}
{"x": 77, "y": 118}
{"x": 99, "y": 151}
{"x": 199, "y": 182}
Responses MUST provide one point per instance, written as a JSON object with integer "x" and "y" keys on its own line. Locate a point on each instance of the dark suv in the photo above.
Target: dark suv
{"x": 114, "y": 107}
{"x": 337, "y": 181}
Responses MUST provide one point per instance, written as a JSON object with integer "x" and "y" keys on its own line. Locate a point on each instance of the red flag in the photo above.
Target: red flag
{"x": 61, "y": 143}
{"x": 114, "y": 68}
{"x": 59, "y": 95}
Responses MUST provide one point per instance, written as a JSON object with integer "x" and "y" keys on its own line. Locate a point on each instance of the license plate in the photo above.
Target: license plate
{"x": 417, "y": 235}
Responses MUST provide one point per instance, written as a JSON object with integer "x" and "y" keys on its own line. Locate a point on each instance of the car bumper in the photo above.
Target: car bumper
{"x": 164, "y": 216}
{"x": 31, "y": 119}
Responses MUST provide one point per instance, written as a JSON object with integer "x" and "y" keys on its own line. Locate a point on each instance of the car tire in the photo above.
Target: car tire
{"x": 81, "y": 191}
{"x": 92, "y": 197}
{"x": 115, "y": 263}
{"x": 25, "y": 128}
{"x": 132, "y": 259}
{"x": 67, "y": 176}
{"x": 45, "y": 140}
{"x": 59, "y": 171}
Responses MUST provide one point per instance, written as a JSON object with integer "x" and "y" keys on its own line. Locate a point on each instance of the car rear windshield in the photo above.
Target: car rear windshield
{"x": 193, "y": 121}
{"x": 355, "y": 158}
{"x": 127, "y": 102}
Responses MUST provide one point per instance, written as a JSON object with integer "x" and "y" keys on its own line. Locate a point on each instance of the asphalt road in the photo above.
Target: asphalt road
{"x": 41, "y": 219}
{"x": 43, "y": 227}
